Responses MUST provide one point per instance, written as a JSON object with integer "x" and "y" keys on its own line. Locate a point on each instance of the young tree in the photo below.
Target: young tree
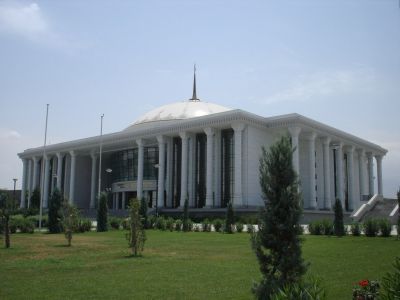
{"x": 338, "y": 225}
{"x": 136, "y": 235}
{"x": 35, "y": 199}
{"x": 143, "y": 212}
{"x": 230, "y": 218}
{"x": 102, "y": 212}
{"x": 185, "y": 220}
{"x": 277, "y": 244}
{"x": 54, "y": 213}
{"x": 70, "y": 220}
{"x": 6, "y": 209}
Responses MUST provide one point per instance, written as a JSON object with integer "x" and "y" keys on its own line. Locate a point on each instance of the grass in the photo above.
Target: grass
{"x": 174, "y": 265}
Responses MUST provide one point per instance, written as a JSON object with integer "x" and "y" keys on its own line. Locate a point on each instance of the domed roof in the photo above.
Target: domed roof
{"x": 180, "y": 111}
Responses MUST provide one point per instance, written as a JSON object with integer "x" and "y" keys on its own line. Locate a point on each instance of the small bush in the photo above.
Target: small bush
{"x": 250, "y": 228}
{"x": 355, "y": 229}
{"x": 316, "y": 228}
{"x": 371, "y": 227}
{"x": 115, "y": 223}
{"x": 327, "y": 226}
{"x": 26, "y": 225}
{"x": 239, "y": 227}
{"x": 391, "y": 282}
{"x": 151, "y": 221}
{"x": 385, "y": 227}
{"x": 178, "y": 225}
{"x": 218, "y": 225}
{"x": 206, "y": 225}
{"x": 126, "y": 223}
{"x": 308, "y": 290}
{"x": 161, "y": 224}
{"x": 170, "y": 224}
{"x": 84, "y": 225}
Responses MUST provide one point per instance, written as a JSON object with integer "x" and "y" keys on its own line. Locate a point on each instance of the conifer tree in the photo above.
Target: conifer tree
{"x": 185, "y": 219}
{"x": 136, "y": 235}
{"x": 6, "y": 209}
{"x": 35, "y": 198}
{"x": 102, "y": 213}
{"x": 398, "y": 214}
{"x": 54, "y": 213}
{"x": 143, "y": 212}
{"x": 229, "y": 219}
{"x": 338, "y": 224}
{"x": 277, "y": 244}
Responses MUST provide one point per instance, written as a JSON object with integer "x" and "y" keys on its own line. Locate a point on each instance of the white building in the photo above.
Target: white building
{"x": 209, "y": 154}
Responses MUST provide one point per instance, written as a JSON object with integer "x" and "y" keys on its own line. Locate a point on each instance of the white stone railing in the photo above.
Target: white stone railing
{"x": 394, "y": 211}
{"x": 366, "y": 207}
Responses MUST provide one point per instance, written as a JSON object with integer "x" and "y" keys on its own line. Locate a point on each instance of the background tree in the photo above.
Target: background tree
{"x": 35, "y": 199}
{"x": 70, "y": 220}
{"x": 54, "y": 213}
{"x": 185, "y": 220}
{"x": 277, "y": 244}
{"x": 102, "y": 213}
{"x": 398, "y": 214}
{"x": 143, "y": 212}
{"x": 230, "y": 218}
{"x": 6, "y": 209}
{"x": 136, "y": 236}
{"x": 338, "y": 225}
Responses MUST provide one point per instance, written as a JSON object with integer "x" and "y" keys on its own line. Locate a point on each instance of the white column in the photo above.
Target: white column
{"x": 123, "y": 200}
{"x": 161, "y": 171}
{"x": 237, "y": 194}
{"x": 191, "y": 169}
{"x": 339, "y": 173}
{"x": 210, "y": 163}
{"x": 93, "y": 181}
{"x": 184, "y": 137}
{"x": 114, "y": 200}
{"x": 294, "y": 133}
{"x": 361, "y": 171}
{"x": 169, "y": 173}
{"x": 23, "y": 183}
{"x": 46, "y": 181}
{"x": 370, "y": 174}
{"x": 139, "y": 181}
{"x": 327, "y": 174}
{"x": 52, "y": 177}
{"x": 29, "y": 182}
{"x": 217, "y": 169}
{"x": 72, "y": 177}
{"x": 35, "y": 173}
{"x": 60, "y": 157}
{"x": 311, "y": 159}
{"x": 350, "y": 177}
{"x": 379, "y": 173}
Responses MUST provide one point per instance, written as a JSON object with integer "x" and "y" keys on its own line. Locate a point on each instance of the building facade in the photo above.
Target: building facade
{"x": 208, "y": 154}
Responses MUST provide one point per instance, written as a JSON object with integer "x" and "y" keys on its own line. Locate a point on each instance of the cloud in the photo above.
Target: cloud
{"x": 24, "y": 20}
{"x": 8, "y": 134}
{"x": 306, "y": 87}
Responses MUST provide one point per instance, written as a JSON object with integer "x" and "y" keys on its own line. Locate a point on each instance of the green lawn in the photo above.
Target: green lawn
{"x": 175, "y": 265}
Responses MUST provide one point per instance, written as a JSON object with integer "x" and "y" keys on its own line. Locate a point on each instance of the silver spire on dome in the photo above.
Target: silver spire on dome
{"x": 194, "y": 97}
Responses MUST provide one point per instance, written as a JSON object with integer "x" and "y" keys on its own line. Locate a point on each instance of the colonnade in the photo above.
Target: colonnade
{"x": 30, "y": 178}
{"x": 329, "y": 144}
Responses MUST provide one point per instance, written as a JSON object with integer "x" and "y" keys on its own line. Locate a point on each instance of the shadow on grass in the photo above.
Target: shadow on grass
{"x": 63, "y": 246}
{"x": 131, "y": 256}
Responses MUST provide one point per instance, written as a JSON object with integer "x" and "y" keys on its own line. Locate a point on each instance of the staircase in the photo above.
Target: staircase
{"x": 382, "y": 209}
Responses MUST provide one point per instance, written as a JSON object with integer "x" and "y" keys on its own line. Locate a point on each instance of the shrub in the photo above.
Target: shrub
{"x": 218, "y": 225}
{"x": 250, "y": 228}
{"x": 355, "y": 229}
{"x": 84, "y": 225}
{"x": 316, "y": 227}
{"x": 70, "y": 217}
{"x": 178, "y": 225}
{"x": 327, "y": 226}
{"x": 143, "y": 213}
{"x": 239, "y": 227}
{"x": 309, "y": 290}
{"x": 338, "y": 222}
{"x": 196, "y": 228}
{"x": 125, "y": 223}
{"x": 385, "y": 227}
{"x": 391, "y": 283}
{"x": 170, "y": 224}
{"x": 115, "y": 222}
{"x": 230, "y": 219}
{"x": 371, "y": 227}
{"x": 25, "y": 225}
{"x": 12, "y": 226}
{"x": 151, "y": 221}
{"x": 102, "y": 213}
{"x": 54, "y": 213}
{"x": 206, "y": 225}
{"x": 185, "y": 220}
{"x": 366, "y": 289}
{"x": 161, "y": 223}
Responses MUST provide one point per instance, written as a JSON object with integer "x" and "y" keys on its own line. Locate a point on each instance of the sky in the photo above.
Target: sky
{"x": 337, "y": 62}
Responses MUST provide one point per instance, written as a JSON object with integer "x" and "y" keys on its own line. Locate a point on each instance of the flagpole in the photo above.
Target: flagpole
{"x": 43, "y": 170}
{"x": 101, "y": 148}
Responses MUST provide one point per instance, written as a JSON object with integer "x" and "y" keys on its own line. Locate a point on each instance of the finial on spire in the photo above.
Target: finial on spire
{"x": 194, "y": 97}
